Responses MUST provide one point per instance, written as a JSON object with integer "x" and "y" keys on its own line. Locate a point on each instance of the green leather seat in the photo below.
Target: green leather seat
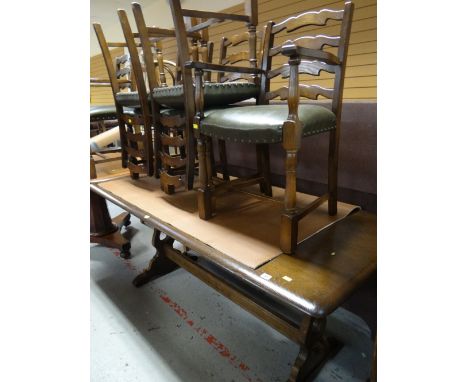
{"x": 105, "y": 112}
{"x": 216, "y": 94}
{"x": 128, "y": 99}
{"x": 181, "y": 113}
{"x": 263, "y": 123}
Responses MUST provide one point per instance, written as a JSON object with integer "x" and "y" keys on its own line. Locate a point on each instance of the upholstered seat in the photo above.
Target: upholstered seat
{"x": 128, "y": 99}
{"x": 105, "y": 112}
{"x": 263, "y": 123}
{"x": 216, "y": 94}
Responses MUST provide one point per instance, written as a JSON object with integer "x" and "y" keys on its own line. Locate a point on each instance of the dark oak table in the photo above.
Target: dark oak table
{"x": 293, "y": 294}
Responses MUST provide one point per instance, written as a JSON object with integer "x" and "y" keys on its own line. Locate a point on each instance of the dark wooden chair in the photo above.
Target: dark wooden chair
{"x": 166, "y": 101}
{"x": 226, "y": 90}
{"x": 136, "y": 143}
{"x": 277, "y": 123}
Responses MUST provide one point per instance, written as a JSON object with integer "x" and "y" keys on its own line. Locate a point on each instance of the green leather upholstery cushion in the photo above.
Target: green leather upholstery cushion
{"x": 105, "y": 112}
{"x": 129, "y": 99}
{"x": 263, "y": 123}
{"x": 216, "y": 94}
{"x": 181, "y": 113}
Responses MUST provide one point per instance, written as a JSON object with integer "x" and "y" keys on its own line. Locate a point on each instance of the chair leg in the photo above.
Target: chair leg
{"x": 288, "y": 233}
{"x": 189, "y": 154}
{"x": 223, "y": 158}
{"x": 148, "y": 146}
{"x": 157, "y": 130}
{"x": 210, "y": 159}
{"x": 289, "y": 221}
{"x": 263, "y": 167}
{"x": 205, "y": 200}
{"x": 333, "y": 173}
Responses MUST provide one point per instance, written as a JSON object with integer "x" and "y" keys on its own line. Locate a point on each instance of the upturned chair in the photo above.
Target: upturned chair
{"x": 277, "y": 123}
{"x": 227, "y": 90}
{"x": 137, "y": 148}
{"x": 168, "y": 115}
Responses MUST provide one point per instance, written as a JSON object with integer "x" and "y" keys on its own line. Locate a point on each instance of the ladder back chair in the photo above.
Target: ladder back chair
{"x": 216, "y": 94}
{"x": 137, "y": 150}
{"x": 250, "y": 57}
{"x": 168, "y": 114}
{"x": 285, "y": 124}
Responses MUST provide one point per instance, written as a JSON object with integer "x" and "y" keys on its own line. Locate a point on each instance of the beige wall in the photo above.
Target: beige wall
{"x": 361, "y": 73}
{"x": 102, "y": 95}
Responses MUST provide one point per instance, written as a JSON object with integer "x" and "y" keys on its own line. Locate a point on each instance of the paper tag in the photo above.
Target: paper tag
{"x": 287, "y": 278}
{"x": 265, "y": 276}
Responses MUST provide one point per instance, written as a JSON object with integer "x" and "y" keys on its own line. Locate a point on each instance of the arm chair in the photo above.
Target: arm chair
{"x": 216, "y": 94}
{"x": 137, "y": 150}
{"x": 277, "y": 123}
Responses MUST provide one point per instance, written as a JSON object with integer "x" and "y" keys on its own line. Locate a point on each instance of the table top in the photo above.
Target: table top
{"x": 325, "y": 270}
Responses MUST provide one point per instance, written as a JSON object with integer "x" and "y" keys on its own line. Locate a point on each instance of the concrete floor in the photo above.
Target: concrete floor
{"x": 178, "y": 329}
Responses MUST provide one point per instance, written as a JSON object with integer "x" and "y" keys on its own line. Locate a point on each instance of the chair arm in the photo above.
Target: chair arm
{"x": 292, "y": 49}
{"x": 221, "y": 68}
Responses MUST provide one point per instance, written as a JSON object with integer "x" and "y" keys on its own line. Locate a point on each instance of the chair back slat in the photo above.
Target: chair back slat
{"x": 319, "y": 18}
{"x": 311, "y": 42}
{"x": 122, "y": 59}
{"x": 236, "y": 39}
{"x": 232, "y": 77}
{"x": 310, "y": 54}
{"x": 236, "y": 57}
{"x": 308, "y": 91}
{"x": 215, "y": 15}
{"x": 305, "y": 67}
{"x": 123, "y": 72}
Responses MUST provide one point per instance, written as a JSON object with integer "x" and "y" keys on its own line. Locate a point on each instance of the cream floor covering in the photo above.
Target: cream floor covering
{"x": 245, "y": 228}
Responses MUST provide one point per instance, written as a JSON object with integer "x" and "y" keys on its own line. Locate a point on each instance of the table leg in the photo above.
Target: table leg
{"x": 160, "y": 264}
{"x": 315, "y": 350}
{"x": 106, "y": 231}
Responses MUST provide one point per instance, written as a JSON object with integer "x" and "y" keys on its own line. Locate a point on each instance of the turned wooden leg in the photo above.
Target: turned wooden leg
{"x": 210, "y": 159}
{"x": 157, "y": 131}
{"x": 123, "y": 136}
{"x": 333, "y": 172}
{"x": 92, "y": 168}
{"x": 159, "y": 265}
{"x": 205, "y": 197}
{"x": 148, "y": 146}
{"x": 263, "y": 167}
{"x": 289, "y": 223}
{"x": 314, "y": 351}
{"x": 106, "y": 231}
{"x": 189, "y": 154}
{"x": 223, "y": 158}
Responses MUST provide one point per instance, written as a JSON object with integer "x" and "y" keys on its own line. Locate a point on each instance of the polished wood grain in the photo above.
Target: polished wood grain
{"x": 137, "y": 70}
{"x": 106, "y": 231}
{"x": 250, "y": 73}
{"x": 305, "y": 56}
{"x": 293, "y": 294}
{"x": 213, "y": 18}
{"x": 122, "y": 77}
